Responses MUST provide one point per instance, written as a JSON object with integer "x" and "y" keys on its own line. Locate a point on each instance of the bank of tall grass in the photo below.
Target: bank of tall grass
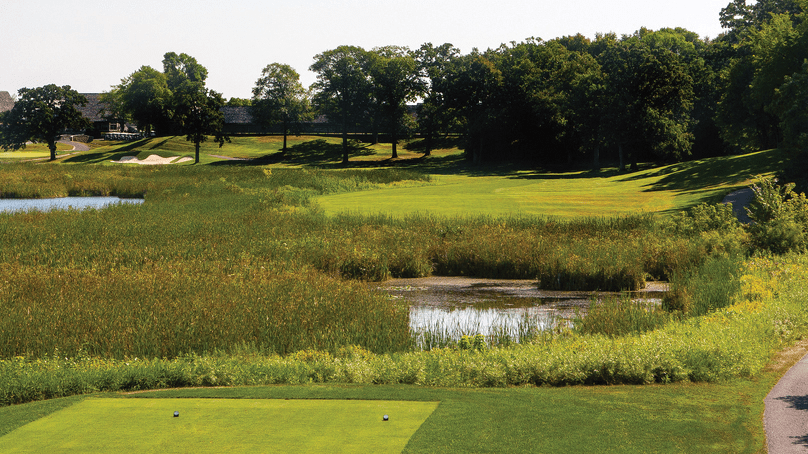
{"x": 219, "y": 258}
{"x": 733, "y": 342}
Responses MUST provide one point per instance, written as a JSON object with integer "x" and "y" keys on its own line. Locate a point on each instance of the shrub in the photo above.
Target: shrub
{"x": 780, "y": 217}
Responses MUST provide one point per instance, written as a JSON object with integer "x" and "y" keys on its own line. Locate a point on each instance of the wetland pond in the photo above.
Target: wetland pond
{"x": 62, "y": 203}
{"x": 450, "y": 307}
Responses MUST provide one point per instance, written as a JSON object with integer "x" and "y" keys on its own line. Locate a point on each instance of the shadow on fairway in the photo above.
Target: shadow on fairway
{"x": 317, "y": 153}
{"x": 694, "y": 175}
{"x": 129, "y": 149}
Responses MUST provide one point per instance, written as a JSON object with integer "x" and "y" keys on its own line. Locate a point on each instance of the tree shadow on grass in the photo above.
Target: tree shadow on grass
{"x": 699, "y": 178}
{"x": 696, "y": 175}
{"x": 315, "y": 153}
{"x": 130, "y": 149}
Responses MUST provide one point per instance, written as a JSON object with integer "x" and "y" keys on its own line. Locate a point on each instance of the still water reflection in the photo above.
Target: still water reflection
{"x": 61, "y": 203}
{"x": 454, "y": 306}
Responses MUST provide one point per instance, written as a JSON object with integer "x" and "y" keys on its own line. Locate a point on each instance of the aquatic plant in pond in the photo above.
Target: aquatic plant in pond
{"x": 62, "y": 203}
{"x": 438, "y": 327}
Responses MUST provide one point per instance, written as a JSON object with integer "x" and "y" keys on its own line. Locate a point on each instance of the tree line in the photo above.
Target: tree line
{"x": 652, "y": 95}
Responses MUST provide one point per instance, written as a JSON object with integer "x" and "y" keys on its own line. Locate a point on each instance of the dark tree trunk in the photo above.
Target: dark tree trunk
{"x": 596, "y": 157}
{"x": 394, "y": 139}
{"x": 620, "y": 154}
{"x": 285, "y": 129}
{"x": 196, "y": 156}
{"x": 52, "y": 148}
{"x": 344, "y": 138}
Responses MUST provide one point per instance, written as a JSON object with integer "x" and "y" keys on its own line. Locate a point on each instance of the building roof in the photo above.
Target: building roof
{"x": 237, "y": 115}
{"x": 6, "y": 103}
{"x": 93, "y": 108}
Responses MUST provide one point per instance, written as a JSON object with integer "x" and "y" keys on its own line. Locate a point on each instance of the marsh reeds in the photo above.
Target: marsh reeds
{"x": 221, "y": 257}
{"x": 620, "y": 316}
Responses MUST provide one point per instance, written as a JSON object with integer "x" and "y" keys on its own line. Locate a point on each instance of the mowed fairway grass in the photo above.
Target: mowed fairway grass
{"x": 222, "y": 425}
{"x": 568, "y": 195}
{"x": 34, "y": 151}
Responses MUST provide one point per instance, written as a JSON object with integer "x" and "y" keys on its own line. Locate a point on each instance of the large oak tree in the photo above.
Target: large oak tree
{"x": 41, "y": 115}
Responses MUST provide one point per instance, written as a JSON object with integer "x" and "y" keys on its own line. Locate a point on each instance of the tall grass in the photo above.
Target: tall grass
{"x": 698, "y": 291}
{"x": 221, "y": 257}
{"x": 621, "y": 316}
{"x": 229, "y": 276}
{"x": 180, "y": 311}
{"x": 732, "y": 342}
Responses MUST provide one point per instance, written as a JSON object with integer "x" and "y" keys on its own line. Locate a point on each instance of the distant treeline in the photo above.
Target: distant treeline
{"x": 653, "y": 95}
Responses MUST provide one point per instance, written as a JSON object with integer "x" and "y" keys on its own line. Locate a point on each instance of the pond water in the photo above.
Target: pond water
{"x": 450, "y": 307}
{"x": 62, "y": 203}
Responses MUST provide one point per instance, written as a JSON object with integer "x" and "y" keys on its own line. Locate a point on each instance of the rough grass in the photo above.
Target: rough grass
{"x": 218, "y": 257}
{"x": 183, "y": 231}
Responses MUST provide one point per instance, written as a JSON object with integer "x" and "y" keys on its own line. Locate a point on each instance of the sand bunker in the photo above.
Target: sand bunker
{"x": 152, "y": 160}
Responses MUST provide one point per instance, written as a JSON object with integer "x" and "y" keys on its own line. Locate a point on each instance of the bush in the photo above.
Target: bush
{"x": 780, "y": 217}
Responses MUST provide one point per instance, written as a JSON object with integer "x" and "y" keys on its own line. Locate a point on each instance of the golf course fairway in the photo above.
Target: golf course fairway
{"x": 222, "y": 425}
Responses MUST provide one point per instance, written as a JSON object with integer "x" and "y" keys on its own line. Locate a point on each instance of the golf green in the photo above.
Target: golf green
{"x": 222, "y": 425}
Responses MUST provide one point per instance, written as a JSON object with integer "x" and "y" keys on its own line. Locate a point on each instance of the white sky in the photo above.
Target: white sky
{"x": 93, "y": 44}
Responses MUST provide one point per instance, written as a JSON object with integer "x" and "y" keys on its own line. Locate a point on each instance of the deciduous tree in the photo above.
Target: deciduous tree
{"x": 396, "y": 81}
{"x": 195, "y": 109}
{"x": 650, "y": 96}
{"x": 473, "y": 89}
{"x": 146, "y": 98}
{"x": 435, "y": 115}
{"x": 198, "y": 112}
{"x": 40, "y": 115}
{"x": 343, "y": 89}
{"x": 279, "y": 97}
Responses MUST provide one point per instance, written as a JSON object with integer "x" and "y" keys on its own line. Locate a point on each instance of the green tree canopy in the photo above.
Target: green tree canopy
{"x": 343, "y": 89}
{"x": 179, "y": 68}
{"x": 434, "y": 115}
{"x": 279, "y": 97}
{"x": 741, "y": 17}
{"x": 650, "y": 96}
{"x": 198, "y": 112}
{"x": 145, "y": 97}
{"x": 40, "y": 115}
{"x": 396, "y": 80}
{"x": 791, "y": 107}
{"x": 473, "y": 89}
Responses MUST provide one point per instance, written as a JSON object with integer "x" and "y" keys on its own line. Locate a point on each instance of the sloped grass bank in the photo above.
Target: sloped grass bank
{"x": 735, "y": 342}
